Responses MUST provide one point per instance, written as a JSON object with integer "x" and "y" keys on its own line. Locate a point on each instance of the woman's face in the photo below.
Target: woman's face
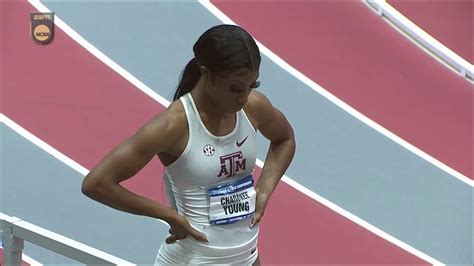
{"x": 230, "y": 92}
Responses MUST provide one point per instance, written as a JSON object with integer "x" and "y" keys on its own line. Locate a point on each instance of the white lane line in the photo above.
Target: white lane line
{"x": 144, "y": 88}
{"x": 323, "y": 92}
{"x": 31, "y": 261}
{"x": 43, "y": 145}
{"x": 56, "y": 154}
{"x": 422, "y": 39}
{"x": 76, "y": 166}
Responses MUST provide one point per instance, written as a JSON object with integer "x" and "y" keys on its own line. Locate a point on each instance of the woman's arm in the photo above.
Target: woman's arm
{"x": 124, "y": 161}
{"x": 275, "y": 127}
{"x": 280, "y": 153}
{"x": 160, "y": 135}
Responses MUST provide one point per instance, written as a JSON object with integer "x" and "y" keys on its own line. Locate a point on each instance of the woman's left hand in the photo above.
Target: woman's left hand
{"x": 260, "y": 205}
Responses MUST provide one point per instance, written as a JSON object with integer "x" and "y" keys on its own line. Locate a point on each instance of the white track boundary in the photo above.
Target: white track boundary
{"x": 310, "y": 83}
{"x": 423, "y": 39}
{"x": 43, "y": 145}
{"x": 144, "y": 88}
{"x": 31, "y": 261}
{"x": 56, "y": 154}
{"x": 76, "y": 166}
{"x": 323, "y": 92}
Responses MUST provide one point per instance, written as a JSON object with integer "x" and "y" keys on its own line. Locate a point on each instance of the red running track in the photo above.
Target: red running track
{"x": 65, "y": 96}
{"x": 449, "y": 22}
{"x": 351, "y": 52}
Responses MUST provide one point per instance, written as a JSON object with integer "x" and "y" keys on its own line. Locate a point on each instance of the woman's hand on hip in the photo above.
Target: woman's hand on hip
{"x": 260, "y": 205}
{"x": 180, "y": 228}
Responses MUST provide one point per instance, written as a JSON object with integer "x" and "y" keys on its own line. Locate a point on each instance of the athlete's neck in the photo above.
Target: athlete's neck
{"x": 205, "y": 103}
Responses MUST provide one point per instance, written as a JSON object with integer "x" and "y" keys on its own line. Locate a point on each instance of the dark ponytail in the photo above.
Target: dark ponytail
{"x": 189, "y": 78}
{"x": 222, "y": 49}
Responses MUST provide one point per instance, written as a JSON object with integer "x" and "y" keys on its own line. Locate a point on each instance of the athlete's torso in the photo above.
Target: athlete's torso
{"x": 206, "y": 162}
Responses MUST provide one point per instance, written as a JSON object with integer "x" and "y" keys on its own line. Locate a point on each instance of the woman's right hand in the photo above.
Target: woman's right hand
{"x": 180, "y": 228}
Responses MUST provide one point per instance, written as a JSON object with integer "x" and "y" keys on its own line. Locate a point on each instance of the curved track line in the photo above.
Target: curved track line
{"x": 140, "y": 85}
{"x": 310, "y": 83}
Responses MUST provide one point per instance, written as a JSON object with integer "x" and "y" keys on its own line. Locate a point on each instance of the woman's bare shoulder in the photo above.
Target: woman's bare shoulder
{"x": 165, "y": 129}
{"x": 258, "y": 107}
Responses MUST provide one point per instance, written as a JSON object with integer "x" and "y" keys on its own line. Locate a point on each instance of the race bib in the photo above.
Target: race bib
{"x": 231, "y": 202}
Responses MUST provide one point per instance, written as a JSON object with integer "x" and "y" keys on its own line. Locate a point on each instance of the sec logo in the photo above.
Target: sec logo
{"x": 209, "y": 150}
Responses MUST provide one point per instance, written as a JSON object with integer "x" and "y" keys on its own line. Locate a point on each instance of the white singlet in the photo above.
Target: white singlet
{"x": 212, "y": 186}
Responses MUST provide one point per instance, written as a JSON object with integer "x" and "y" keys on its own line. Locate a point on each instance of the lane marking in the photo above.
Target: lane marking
{"x": 31, "y": 261}
{"x": 341, "y": 104}
{"x": 43, "y": 145}
{"x": 311, "y": 194}
{"x": 144, "y": 88}
{"x": 79, "y": 168}
{"x": 422, "y": 39}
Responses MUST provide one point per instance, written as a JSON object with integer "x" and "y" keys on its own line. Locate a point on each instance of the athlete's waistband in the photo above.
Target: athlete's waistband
{"x": 219, "y": 238}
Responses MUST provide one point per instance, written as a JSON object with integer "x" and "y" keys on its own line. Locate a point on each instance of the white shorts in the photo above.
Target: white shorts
{"x": 176, "y": 253}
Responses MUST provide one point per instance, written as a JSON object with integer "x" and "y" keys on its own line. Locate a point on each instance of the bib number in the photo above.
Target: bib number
{"x": 232, "y": 202}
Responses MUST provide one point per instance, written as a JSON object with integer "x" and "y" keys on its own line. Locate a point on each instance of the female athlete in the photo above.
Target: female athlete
{"x": 206, "y": 139}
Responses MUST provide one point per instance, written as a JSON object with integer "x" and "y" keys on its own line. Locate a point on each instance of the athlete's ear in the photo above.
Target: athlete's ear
{"x": 205, "y": 73}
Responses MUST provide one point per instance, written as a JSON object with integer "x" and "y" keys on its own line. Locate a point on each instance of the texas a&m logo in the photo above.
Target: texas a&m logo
{"x": 231, "y": 164}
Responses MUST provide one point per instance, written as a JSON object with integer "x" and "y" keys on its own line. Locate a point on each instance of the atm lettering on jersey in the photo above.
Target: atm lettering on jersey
{"x": 231, "y": 164}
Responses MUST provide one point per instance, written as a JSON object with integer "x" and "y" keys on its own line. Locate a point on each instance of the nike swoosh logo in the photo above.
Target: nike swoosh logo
{"x": 242, "y": 142}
